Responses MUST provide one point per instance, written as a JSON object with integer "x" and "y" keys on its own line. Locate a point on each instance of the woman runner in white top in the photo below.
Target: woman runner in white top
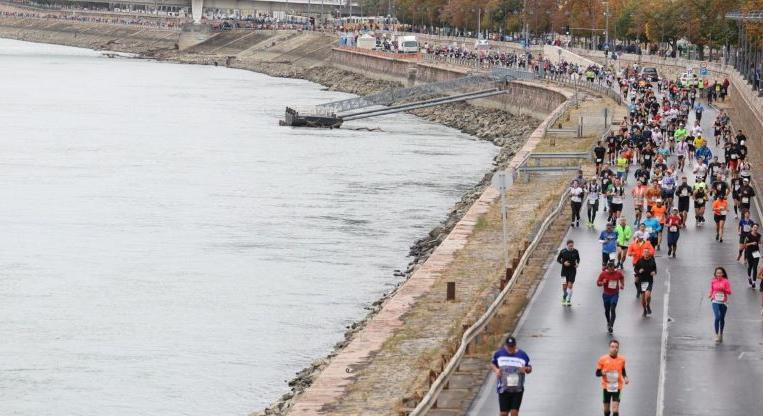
{"x": 576, "y": 201}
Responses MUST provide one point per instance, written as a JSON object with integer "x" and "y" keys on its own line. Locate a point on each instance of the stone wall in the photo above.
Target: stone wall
{"x": 522, "y": 98}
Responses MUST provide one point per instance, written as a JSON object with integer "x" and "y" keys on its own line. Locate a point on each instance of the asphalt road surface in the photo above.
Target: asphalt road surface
{"x": 675, "y": 367}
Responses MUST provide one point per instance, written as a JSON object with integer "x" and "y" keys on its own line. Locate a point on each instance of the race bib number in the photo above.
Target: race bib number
{"x": 598, "y": 160}
{"x": 673, "y": 228}
{"x": 734, "y": 156}
{"x": 575, "y": 199}
{"x": 724, "y": 212}
{"x": 612, "y": 256}
{"x": 617, "y": 200}
{"x": 644, "y": 286}
{"x": 684, "y": 193}
{"x": 649, "y": 230}
{"x": 612, "y": 381}
{"x": 719, "y": 297}
{"x": 564, "y": 280}
{"x": 612, "y": 284}
{"x": 746, "y": 228}
{"x": 745, "y": 200}
{"x": 510, "y": 379}
{"x": 592, "y": 201}
{"x": 700, "y": 200}
{"x": 647, "y": 157}
{"x": 756, "y": 254}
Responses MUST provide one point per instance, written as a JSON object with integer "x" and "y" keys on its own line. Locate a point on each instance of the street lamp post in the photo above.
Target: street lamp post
{"x": 606, "y": 34}
{"x": 524, "y": 27}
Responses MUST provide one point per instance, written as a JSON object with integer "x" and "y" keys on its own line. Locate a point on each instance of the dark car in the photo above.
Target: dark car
{"x": 650, "y": 73}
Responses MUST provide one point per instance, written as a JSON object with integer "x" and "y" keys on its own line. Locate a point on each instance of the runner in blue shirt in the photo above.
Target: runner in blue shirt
{"x": 608, "y": 240}
{"x": 653, "y": 227}
{"x": 510, "y": 366}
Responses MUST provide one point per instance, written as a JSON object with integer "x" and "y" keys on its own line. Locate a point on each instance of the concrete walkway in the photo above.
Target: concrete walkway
{"x": 673, "y": 363}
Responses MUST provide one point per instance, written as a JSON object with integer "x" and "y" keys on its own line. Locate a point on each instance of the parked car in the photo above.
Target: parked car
{"x": 650, "y": 73}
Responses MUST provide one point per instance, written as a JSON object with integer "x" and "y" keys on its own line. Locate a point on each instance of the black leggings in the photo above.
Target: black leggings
{"x": 592, "y": 210}
{"x": 610, "y": 304}
{"x": 576, "y": 211}
{"x": 752, "y": 266}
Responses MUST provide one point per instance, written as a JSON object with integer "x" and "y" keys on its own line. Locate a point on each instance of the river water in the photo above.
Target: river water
{"x": 167, "y": 249}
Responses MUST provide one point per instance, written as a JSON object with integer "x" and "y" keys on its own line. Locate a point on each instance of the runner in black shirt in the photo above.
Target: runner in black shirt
{"x": 599, "y": 152}
{"x": 719, "y": 187}
{"x": 684, "y": 193}
{"x": 569, "y": 258}
{"x": 715, "y": 167}
{"x": 746, "y": 193}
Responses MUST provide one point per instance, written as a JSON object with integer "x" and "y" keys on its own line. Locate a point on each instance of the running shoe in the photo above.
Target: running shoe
{"x": 610, "y": 330}
{"x": 648, "y": 309}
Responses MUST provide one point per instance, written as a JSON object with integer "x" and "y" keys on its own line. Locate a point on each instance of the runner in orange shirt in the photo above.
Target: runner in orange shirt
{"x": 720, "y": 209}
{"x": 651, "y": 194}
{"x": 638, "y": 193}
{"x": 611, "y": 369}
{"x": 660, "y": 214}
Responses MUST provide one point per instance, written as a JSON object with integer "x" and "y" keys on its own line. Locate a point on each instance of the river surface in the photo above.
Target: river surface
{"x": 167, "y": 249}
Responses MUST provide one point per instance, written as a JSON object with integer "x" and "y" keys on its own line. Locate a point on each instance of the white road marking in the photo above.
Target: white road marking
{"x": 663, "y": 347}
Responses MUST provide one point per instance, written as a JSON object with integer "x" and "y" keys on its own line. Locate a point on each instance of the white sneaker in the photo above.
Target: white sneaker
{"x": 717, "y": 339}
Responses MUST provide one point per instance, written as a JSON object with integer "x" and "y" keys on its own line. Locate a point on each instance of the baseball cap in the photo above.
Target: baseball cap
{"x": 511, "y": 341}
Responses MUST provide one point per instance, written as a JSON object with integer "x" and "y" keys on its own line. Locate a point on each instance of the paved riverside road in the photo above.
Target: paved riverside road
{"x": 674, "y": 366}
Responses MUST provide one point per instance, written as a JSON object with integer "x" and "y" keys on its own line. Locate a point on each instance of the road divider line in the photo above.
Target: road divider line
{"x": 663, "y": 347}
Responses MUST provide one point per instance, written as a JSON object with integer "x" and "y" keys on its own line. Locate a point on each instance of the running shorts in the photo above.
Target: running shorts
{"x": 683, "y": 204}
{"x": 616, "y": 207}
{"x": 719, "y": 218}
{"x": 733, "y": 164}
{"x": 511, "y": 400}
{"x": 611, "y": 396}
{"x": 699, "y": 204}
{"x": 569, "y": 274}
{"x": 742, "y": 236}
{"x": 650, "y": 283}
{"x": 667, "y": 193}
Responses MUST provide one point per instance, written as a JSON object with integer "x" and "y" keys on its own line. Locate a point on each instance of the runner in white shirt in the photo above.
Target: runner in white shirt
{"x": 700, "y": 171}
{"x": 576, "y": 201}
{"x": 696, "y": 131}
{"x": 682, "y": 152}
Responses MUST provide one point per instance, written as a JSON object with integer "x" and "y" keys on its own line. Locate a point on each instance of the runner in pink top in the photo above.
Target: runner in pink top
{"x": 720, "y": 289}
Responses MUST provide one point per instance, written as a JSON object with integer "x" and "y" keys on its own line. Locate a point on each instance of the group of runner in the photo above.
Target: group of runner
{"x": 667, "y": 164}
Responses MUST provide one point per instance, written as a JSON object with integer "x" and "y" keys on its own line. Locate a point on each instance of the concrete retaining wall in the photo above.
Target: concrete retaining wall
{"x": 556, "y": 54}
{"x": 522, "y": 98}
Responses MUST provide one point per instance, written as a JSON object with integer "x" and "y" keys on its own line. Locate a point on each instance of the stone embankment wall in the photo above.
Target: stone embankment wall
{"x": 522, "y": 98}
{"x": 118, "y": 38}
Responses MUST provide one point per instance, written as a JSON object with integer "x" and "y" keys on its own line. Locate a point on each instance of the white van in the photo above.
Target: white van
{"x": 407, "y": 44}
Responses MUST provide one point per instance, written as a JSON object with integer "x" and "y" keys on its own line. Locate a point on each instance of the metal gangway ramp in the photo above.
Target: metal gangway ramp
{"x": 470, "y": 87}
{"x": 468, "y": 84}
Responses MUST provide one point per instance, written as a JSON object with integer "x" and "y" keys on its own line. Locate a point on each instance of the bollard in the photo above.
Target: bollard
{"x": 451, "y": 291}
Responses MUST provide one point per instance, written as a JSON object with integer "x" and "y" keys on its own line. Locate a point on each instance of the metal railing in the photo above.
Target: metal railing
{"x": 430, "y": 398}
